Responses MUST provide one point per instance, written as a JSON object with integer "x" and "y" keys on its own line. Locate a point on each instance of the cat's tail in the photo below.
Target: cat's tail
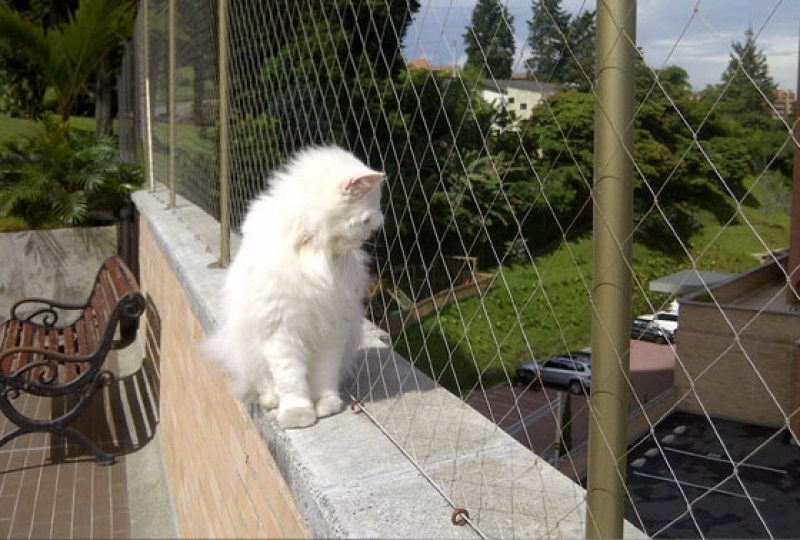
{"x": 229, "y": 353}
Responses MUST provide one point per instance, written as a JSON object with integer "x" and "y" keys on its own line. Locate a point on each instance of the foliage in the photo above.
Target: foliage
{"x": 344, "y": 70}
{"x": 746, "y": 87}
{"x": 489, "y": 39}
{"x": 63, "y": 176}
{"x": 418, "y": 128}
{"x": 22, "y": 83}
{"x": 709, "y": 175}
{"x": 562, "y": 46}
{"x": 69, "y": 53}
{"x": 562, "y": 132}
{"x": 338, "y": 70}
{"x": 544, "y": 307}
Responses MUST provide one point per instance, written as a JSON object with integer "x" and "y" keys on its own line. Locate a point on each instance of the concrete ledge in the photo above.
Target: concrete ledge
{"x": 348, "y": 477}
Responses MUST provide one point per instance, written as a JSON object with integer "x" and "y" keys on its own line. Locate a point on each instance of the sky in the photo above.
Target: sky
{"x": 693, "y": 34}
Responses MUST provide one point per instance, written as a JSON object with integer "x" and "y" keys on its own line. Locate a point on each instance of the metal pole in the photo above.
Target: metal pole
{"x": 173, "y": 135}
{"x": 559, "y": 428}
{"x": 793, "y": 262}
{"x": 224, "y": 138}
{"x": 611, "y": 290}
{"x": 148, "y": 127}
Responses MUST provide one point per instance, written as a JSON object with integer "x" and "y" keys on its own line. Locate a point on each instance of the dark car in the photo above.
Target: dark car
{"x": 572, "y": 370}
{"x": 646, "y": 330}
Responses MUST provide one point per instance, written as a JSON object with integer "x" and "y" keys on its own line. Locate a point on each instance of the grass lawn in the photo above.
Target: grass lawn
{"x": 543, "y": 308}
{"x": 11, "y": 128}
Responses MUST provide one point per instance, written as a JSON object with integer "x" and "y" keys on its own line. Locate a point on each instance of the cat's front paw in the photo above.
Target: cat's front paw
{"x": 269, "y": 400}
{"x": 298, "y": 417}
{"x": 328, "y": 405}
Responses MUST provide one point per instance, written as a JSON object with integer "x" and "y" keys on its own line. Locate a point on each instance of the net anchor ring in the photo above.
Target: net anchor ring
{"x": 460, "y": 517}
{"x": 356, "y": 405}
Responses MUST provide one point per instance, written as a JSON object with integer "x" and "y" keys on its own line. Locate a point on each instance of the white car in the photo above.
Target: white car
{"x": 666, "y": 320}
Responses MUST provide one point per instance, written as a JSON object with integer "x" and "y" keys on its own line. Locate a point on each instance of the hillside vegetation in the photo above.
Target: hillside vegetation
{"x": 543, "y": 308}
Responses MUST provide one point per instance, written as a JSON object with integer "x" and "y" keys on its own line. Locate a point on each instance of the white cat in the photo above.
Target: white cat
{"x": 293, "y": 296}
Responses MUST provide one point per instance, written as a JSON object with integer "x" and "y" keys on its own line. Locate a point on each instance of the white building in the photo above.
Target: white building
{"x": 517, "y": 96}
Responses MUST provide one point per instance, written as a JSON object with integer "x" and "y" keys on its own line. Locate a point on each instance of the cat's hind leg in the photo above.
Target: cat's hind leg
{"x": 328, "y": 404}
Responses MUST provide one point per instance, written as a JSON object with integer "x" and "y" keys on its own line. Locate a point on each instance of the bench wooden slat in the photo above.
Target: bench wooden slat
{"x": 119, "y": 279}
{"x": 10, "y": 340}
{"x": 38, "y": 340}
{"x": 25, "y": 340}
{"x": 99, "y": 310}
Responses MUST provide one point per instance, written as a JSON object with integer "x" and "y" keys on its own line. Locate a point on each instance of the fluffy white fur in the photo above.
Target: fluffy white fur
{"x": 292, "y": 303}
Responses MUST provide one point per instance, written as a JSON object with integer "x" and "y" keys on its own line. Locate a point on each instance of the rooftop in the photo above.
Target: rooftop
{"x": 503, "y": 85}
{"x": 683, "y": 483}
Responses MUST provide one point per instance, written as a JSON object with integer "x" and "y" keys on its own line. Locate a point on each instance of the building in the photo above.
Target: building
{"x": 739, "y": 337}
{"x": 425, "y": 64}
{"x": 783, "y": 103}
{"x": 739, "y": 347}
{"x": 518, "y": 97}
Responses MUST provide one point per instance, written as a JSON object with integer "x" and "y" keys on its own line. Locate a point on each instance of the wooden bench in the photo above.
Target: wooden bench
{"x": 41, "y": 356}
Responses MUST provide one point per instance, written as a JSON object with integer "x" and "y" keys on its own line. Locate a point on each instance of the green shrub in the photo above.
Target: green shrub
{"x": 62, "y": 176}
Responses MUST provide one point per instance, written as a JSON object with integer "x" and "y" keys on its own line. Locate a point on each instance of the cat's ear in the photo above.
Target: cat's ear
{"x": 360, "y": 185}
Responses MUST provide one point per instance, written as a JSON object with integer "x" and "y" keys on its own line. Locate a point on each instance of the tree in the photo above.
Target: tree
{"x": 22, "y": 83}
{"x": 69, "y": 53}
{"x": 561, "y": 134}
{"x": 747, "y": 87}
{"x": 756, "y": 142}
{"x": 578, "y": 69}
{"x": 562, "y": 46}
{"x": 489, "y": 39}
{"x": 329, "y": 65}
{"x": 430, "y": 160}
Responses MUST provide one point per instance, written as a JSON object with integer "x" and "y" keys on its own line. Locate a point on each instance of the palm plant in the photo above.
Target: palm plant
{"x": 68, "y": 54}
{"x": 63, "y": 177}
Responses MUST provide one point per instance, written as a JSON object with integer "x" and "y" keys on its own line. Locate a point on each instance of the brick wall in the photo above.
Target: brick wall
{"x": 223, "y": 479}
{"x": 741, "y": 362}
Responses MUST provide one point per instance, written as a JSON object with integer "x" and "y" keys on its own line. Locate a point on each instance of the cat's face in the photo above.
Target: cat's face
{"x": 342, "y": 200}
{"x": 361, "y": 211}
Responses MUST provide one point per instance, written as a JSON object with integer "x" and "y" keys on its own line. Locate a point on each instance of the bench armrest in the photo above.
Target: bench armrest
{"x": 41, "y": 310}
{"x": 47, "y": 362}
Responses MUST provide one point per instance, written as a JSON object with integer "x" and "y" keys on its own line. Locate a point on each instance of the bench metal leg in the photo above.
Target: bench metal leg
{"x": 103, "y": 458}
{"x": 60, "y": 424}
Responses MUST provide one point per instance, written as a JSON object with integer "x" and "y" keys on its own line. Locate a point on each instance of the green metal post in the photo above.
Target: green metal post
{"x": 224, "y": 138}
{"x": 148, "y": 124}
{"x": 611, "y": 290}
{"x": 173, "y": 117}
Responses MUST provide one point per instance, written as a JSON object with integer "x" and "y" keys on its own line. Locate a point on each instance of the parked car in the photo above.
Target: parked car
{"x": 572, "y": 370}
{"x": 668, "y": 320}
{"x": 647, "y": 330}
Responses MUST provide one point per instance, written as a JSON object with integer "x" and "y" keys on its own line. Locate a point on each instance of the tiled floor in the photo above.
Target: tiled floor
{"x": 52, "y": 490}
{"x": 75, "y": 498}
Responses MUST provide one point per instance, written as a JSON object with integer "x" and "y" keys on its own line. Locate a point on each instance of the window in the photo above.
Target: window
{"x": 523, "y": 106}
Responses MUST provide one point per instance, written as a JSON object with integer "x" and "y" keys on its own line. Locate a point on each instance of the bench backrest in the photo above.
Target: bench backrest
{"x": 115, "y": 298}
{"x": 113, "y": 282}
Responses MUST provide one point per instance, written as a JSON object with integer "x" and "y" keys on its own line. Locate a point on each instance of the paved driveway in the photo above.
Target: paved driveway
{"x": 531, "y": 417}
